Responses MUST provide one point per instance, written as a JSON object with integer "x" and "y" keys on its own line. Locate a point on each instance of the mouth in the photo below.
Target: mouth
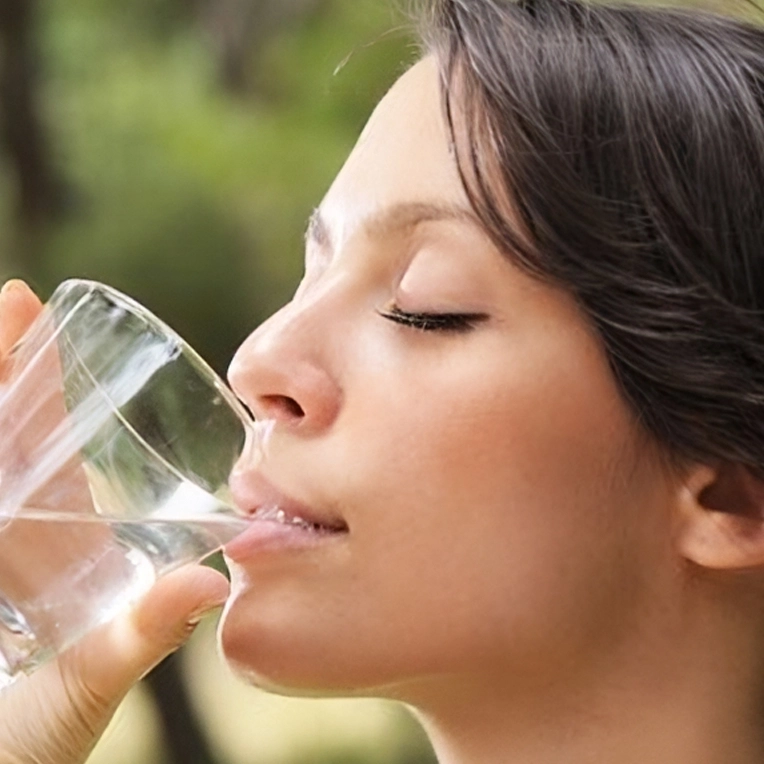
{"x": 277, "y": 522}
{"x": 280, "y": 516}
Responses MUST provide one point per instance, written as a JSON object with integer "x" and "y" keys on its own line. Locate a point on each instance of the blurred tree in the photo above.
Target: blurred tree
{"x": 239, "y": 29}
{"x": 183, "y": 735}
{"x": 40, "y": 191}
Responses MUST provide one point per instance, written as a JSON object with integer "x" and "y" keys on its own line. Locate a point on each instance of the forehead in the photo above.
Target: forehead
{"x": 403, "y": 155}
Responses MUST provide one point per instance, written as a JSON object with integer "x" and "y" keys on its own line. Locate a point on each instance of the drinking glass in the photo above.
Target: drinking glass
{"x": 116, "y": 445}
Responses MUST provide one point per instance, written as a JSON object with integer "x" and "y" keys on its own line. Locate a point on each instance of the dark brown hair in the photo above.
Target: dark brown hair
{"x": 618, "y": 151}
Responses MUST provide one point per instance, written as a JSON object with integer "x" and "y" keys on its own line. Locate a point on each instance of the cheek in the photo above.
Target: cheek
{"x": 508, "y": 510}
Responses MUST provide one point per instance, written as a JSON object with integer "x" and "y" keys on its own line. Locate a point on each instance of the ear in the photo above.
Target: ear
{"x": 722, "y": 517}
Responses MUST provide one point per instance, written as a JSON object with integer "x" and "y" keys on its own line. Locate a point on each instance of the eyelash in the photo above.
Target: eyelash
{"x": 446, "y": 323}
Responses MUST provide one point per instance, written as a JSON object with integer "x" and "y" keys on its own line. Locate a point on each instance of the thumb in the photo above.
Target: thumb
{"x": 56, "y": 715}
{"x": 108, "y": 662}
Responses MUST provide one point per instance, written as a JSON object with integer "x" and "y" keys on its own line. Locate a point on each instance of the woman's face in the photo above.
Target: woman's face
{"x": 500, "y": 512}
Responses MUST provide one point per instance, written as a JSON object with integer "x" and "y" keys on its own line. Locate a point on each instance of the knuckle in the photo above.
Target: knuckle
{"x": 87, "y": 708}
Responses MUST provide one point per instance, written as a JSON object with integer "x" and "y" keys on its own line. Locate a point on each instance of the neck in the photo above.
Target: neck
{"x": 687, "y": 698}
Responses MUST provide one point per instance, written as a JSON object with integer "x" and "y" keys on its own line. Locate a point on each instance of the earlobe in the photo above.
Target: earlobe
{"x": 722, "y": 517}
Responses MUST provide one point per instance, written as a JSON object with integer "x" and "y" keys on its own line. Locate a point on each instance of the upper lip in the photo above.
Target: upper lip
{"x": 252, "y": 493}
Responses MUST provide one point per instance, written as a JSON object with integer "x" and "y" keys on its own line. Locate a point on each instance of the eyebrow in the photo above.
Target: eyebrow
{"x": 396, "y": 219}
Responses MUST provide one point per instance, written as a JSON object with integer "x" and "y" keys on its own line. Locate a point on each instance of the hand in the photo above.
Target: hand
{"x": 56, "y": 715}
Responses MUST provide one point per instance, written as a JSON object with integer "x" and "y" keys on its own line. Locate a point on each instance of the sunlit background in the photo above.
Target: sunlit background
{"x": 175, "y": 149}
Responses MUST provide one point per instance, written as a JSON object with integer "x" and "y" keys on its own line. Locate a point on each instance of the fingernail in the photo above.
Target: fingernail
{"x": 11, "y": 285}
{"x": 204, "y": 610}
{"x": 197, "y": 618}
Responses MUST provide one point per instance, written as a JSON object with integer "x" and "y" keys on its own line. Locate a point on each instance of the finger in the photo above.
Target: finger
{"x": 19, "y": 306}
{"x": 111, "y": 660}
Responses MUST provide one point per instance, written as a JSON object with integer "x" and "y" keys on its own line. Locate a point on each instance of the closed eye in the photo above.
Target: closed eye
{"x": 453, "y": 323}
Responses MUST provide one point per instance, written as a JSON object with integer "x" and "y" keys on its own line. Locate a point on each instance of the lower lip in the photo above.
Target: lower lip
{"x": 268, "y": 536}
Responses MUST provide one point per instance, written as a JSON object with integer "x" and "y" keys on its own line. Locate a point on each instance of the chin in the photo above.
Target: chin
{"x": 281, "y": 668}
{"x": 250, "y": 658}
{"x": 301, "y": 657}
{"x": 274, "y": 650}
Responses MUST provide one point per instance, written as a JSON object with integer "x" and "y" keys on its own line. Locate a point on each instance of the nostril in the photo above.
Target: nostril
{"x": 294, "y": 407}
{"x": 288, "y": 407}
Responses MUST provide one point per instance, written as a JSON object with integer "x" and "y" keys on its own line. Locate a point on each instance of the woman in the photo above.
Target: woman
{"x": 520, "y": 390}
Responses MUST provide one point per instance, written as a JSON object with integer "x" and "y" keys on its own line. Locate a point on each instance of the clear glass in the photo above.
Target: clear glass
{"x": 116, "y": 445}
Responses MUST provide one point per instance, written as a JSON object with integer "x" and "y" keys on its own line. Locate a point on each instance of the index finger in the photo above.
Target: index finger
{"x": 19, "y": 306}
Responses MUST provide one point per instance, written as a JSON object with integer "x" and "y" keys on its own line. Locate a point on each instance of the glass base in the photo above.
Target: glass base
{"x": 20, "y": 652}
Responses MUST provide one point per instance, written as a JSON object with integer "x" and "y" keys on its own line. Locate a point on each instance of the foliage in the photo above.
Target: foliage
{"x": 189, "y": 199}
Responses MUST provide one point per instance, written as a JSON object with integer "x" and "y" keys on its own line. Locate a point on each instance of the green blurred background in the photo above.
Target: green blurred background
{"x": 175, "y": 149}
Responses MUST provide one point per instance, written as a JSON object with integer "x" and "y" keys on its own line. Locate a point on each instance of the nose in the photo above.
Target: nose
{"x": 281, "y": 373}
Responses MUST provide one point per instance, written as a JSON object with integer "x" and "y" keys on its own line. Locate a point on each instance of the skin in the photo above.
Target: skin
{"x": 516, "y": 566}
